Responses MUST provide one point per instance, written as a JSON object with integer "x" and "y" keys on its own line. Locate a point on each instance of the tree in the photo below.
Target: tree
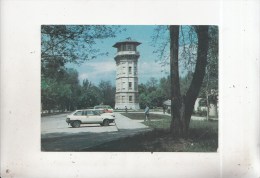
{"x": 71, "y": 79}
{"x": 107, "y": 92}
{"x": 185, "y": 82}
{"x": 154, "y": 94}
{"x": 60, "y": 93}
{"x": 165, "y": 86}
{"x": 182, "y": 106}
{"x": 210, "y": 85}
{"x": 73, "y": 43}
{"x": 90, "y": 95}
{"x": 63, "y": 44}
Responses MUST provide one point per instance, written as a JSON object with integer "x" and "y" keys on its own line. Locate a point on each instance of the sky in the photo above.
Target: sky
{"x": 104, "y": 67}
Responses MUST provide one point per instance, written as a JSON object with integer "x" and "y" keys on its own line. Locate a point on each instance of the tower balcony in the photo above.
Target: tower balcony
{"x": 120, "y": 53}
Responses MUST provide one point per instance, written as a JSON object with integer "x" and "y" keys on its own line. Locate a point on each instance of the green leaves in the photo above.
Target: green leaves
{"x": 57, "y": 94}
{"x": 73, "y": 43}
{"x": 154, "y": 93}
{"x": 62, "y": 44}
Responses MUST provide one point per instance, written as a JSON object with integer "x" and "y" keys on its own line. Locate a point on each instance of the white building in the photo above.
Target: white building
{"x": 126, "y": 74}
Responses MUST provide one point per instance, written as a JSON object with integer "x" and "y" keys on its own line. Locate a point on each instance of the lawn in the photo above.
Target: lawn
{"x": 158, "y": 121}
{"x": 203, "y": 137}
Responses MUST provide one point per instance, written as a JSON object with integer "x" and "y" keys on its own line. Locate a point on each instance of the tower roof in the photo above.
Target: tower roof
{"x": 127, "y": 40}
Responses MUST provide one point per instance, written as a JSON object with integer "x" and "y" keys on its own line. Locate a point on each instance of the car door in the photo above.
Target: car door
{"x": 79, "y": 115}
{"x": 94, "y": 117}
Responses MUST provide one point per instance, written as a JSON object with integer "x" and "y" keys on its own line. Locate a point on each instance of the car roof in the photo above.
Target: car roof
{"x": 85, "y": 110}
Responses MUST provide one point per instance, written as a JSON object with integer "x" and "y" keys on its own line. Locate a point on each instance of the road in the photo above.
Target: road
{"x": 57, "y": 135}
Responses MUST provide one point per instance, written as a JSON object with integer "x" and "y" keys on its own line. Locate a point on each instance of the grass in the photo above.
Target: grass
{"x": 203, "y": 137}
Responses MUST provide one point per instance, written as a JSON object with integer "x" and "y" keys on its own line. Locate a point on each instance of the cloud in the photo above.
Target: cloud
{"x": 98, "y": 70}
{"x": 95, "y": 71}
{"x": 147, "y": 68}
{"x": 101, "y": 66}
{"x": 83, "y": 76}
{"x": 151, "y": 69}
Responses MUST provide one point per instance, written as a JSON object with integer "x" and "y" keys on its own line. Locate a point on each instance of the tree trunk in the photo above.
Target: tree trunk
{"x": 182, "y": 107}
{"x": 198, "y": 76}
{"x": 207, "y": 91}
{"x": 176, "y": 125}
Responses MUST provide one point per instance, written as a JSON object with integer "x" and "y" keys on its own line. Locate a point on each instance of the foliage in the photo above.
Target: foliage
{"x": 68, "y": 94}
{"x": 73, "y": 43}
{"x": 62, "y": 44}
{"x": 90, "y": 95}
{"x": 211, "y": 77}
{"x": 153, "y": 93}
{"x": 193, "y": 53}
{"x": 107, "y": 92}
{"x": 188, "y": 44}
{"x": 59, "y": 93}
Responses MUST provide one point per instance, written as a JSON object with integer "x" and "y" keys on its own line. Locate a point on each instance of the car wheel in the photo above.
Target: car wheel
{"x": 106, "y": 122}
{"x": 76, "y": 124}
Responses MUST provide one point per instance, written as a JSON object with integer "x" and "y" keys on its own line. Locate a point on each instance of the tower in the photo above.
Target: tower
{"x": 126, "y": 74}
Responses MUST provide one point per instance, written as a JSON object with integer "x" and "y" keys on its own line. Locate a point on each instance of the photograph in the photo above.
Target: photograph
{"x": 129, "y": 88}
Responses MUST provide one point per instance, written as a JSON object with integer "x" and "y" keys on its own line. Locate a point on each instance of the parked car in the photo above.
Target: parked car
{"x": 105, "y": 112}
{"x": 104, "y": 107}
{"x": 88, "y": 116}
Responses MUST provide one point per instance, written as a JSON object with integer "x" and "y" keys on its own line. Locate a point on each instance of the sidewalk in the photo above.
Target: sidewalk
{"x": 200, "y": 118}
{"x": 123, "y": 122}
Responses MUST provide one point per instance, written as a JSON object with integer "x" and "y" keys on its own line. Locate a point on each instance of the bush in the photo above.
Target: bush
{"x": 201, "y": 113}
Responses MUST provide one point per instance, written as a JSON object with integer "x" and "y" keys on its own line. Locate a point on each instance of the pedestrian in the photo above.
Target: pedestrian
{"x": 146, "y": 113}
{"x": 164, "y": 108}
{"x": 125, "y": 109}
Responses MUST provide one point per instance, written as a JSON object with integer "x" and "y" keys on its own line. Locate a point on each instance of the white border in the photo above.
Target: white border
{"x": 20, "y": 88}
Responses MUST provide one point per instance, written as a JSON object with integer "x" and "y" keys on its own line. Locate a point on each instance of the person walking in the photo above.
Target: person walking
{"x": 146, "y": 113}
{"x": 125, "y": 109}
{"x": 164, "y": 108}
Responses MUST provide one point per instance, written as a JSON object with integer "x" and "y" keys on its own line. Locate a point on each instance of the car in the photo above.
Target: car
{"x": 88, "y": 116}
{"x": 105, "y": 112}
{"x": 104, "y": 107}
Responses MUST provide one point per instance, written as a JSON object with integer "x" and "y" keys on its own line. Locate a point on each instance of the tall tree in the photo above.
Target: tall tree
{"x": 182, "y": 106}
{"x": 176, "y": 124}
{"x": 90, "y": 95}
{"x": 73, "y": 43}
{"x": 107, "y": 92}
{"x": 62, "y": 44}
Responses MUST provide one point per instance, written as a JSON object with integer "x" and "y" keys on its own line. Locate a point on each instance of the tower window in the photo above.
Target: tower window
{"x": 129, "y": 47}
{"x": 130, "y": 98}
{"x": 130, "y": 70}
{"x": 123, "y": 47}
{"x": 130, "y": 85}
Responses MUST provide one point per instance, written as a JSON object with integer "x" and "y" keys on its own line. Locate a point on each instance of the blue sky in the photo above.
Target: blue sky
{"x": 103, "y": 67}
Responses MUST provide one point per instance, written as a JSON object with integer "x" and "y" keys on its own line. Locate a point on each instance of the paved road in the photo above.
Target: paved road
{"x": 57, "y": 135}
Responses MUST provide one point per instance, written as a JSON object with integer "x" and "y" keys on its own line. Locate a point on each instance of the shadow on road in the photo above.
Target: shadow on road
{"x": 79, "y": 141}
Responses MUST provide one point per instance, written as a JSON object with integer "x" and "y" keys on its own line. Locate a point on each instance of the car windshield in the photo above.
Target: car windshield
{"x": 78, "y": 113}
